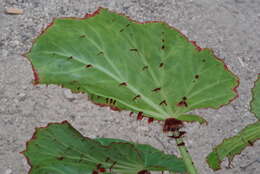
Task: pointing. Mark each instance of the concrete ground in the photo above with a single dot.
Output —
(230, 27)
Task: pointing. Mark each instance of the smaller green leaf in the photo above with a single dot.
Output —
(192, 118)
(59, 148)
(255, 103)
(234, 145)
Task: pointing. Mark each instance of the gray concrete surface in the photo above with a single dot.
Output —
(230, 27)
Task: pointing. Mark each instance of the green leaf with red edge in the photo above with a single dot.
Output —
(149, 67)
(59, 148)
(247, 136)
(234, 145)
(255, 103)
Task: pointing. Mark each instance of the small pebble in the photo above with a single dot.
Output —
(69, 95)
(14, 11)
(21, 96)
(8, 171)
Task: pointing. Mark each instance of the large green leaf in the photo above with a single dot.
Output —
(149, 68)
(59, 148)
(247, 136)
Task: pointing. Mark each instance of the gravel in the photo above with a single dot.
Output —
(229, 27)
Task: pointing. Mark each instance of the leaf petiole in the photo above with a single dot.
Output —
(185, 154)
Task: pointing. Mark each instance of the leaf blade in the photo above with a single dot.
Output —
(100, 56)
(60, 148)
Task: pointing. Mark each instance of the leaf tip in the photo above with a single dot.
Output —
(213, 161)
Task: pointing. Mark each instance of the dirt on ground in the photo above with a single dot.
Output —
(230, 27)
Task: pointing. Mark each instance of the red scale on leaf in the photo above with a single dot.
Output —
(136, 97)
(161, 65)
(156, 89)
(60, 158)
(111, 167)
(144, 172)
(145, 67)
(82, 36)
(123, 84)
(100, 53)
(182, 103)
(98, 165)
(111, 101)
(150, 120)
(172, 124)
(250, 143)
(133, 49)
(163, 102)
(95, 172)
(102, 170)
(88, 66)
(114, 102)
(197, 76)
(69, 58)
(140, 116)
